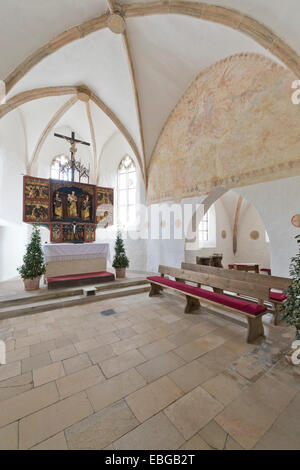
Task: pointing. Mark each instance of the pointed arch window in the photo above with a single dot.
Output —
(59, 169)
(126, 192)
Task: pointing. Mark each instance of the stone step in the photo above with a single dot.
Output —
(30, 298)
(54, 304)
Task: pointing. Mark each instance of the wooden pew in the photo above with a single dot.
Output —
(252, 311)
(271, 282)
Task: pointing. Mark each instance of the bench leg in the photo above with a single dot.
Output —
(255, 329)
(191, 304)
(155, 290)
(277, 313)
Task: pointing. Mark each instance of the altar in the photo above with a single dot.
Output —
(69, 259)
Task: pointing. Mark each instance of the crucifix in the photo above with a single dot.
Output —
(73, 164)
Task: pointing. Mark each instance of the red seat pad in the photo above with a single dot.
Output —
(77, 276)
(279, 296)
(233, 302)
(267, 270)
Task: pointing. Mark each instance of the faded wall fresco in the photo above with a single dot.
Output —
(234, 126)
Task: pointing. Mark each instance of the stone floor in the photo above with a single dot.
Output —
(146, 377)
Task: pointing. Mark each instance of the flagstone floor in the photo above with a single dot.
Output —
(145, 377)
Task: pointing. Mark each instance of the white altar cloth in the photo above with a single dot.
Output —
(75, 251)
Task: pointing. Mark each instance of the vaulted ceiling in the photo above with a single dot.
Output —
(134, 78)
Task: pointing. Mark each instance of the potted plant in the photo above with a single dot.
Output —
(291, 306)
(33, 262)
(120, 262)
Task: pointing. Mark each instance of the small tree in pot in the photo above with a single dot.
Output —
(291, 305)
(33, 262)
(120, 262)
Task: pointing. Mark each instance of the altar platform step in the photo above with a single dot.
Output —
(79, 279)
(61, 299)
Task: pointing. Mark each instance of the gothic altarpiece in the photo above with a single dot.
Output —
(69, 209)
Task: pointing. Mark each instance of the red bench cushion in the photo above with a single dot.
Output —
(279, 296)
(267, 270)
(233, 302)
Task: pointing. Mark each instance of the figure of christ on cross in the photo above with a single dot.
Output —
(73, 150)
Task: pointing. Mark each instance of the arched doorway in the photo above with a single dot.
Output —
(228, 224)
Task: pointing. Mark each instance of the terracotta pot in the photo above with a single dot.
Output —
(120, 273)
(32, 284)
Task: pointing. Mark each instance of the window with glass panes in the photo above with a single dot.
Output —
(126, 192)
(203, 228)
(59, 169)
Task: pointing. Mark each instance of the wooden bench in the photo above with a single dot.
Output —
(276, 299)
(252, 311)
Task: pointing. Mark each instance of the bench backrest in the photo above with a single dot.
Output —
(256, 290)
(273, 282)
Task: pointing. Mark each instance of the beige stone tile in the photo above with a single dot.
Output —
(214, 435)
(108, 338)
(225, 386)
(17, 381)
(101, 429)
(27, 341)
(191, 375)
(183, 337)
(249, 367)
(193, 411)
(17, 355)
(253, 412)
(10, 370)
(159, 366)
(22, 405)
(57, 442)
(156, 348)
(86, 345)
(125, 333)
(239, 345)
(9, 437)
(42, 347)
(131, 343)
(152, 398)
(190, 351)
(155, 434)
(50, 421)
(35, 362)
(286, 373)
(195, 443)
(63, 353)
(119, 364)
(231, 444)
(142, 327)
(79, 381)
(48, 373)
(9, 392)
(101, 353)
(76, 363)
(218, 359)
(115, 389)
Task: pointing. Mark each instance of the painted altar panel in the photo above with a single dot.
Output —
(36, 207)
(105, 207)
(72, 202)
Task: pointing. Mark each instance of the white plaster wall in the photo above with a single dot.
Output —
(275, 202)
(111, 155)
(12, 166)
